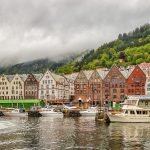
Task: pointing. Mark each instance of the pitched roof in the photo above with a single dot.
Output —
(57, 77)
(10, 77)
(38, 76)
(88, 73)
(126, 72)
(72, 76)
(102, 73)
(23, 76)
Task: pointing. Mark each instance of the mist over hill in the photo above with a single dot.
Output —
(128, 49)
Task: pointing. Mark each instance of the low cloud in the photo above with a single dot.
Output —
(33, 29)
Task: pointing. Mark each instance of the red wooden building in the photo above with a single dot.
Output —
(136, 82)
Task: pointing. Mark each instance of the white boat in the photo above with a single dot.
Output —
(89, 112)
(15, 112)
(134, 109)
(50, 112)
(69, 107)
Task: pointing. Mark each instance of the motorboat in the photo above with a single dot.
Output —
(69, 106)
(89, 112)
(134, 109)
(50, 112)
(15, 112)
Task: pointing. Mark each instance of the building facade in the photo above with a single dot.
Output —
(82, 86)
(53, 87)
(95, 88)
(31, 86)
(16, 87)
(114, 86)
(5, 91)
(136, 82)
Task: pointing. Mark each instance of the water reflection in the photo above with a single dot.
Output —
(72, 133)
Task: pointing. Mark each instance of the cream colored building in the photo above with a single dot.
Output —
(17, 86)
(12, 86)
(53, 87)
(4, 87)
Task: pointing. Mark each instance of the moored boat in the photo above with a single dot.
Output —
(134, 109)
(15, 112)
(50, 112)
(89, 112)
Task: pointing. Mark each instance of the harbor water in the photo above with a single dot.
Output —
(47, 133)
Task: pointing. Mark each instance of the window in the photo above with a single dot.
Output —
(114, 90)
(114, 96)
(146, 103)
(138, 112)
(132, 112)
(121, 90)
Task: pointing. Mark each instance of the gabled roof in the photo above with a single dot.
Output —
(54, 76)
(102, 73)
(126, 72)
(10, 77)
(72, 76)
(38, 76)
(57, 77)
(23, 76)
(114, 66)
(88, 73)
(135, 68)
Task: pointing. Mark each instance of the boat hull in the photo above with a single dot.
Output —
(13, 114)
(91, 114)
(51, 114)
(128, 119)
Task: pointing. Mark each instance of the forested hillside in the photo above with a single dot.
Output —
(41, 65)
(128, 49)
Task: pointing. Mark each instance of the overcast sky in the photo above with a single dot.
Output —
(32, 29)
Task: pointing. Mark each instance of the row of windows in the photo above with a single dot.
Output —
(13, 92)
(47, 86)
(30, 93)
(3, 83)
(16, 92)
(3, 88)
(115, 91)
(47, 81)
(31, 87)
(121, 96)
(138, 112)
(47, 92)
(136, 91)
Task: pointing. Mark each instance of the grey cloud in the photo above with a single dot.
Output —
(32, 29)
